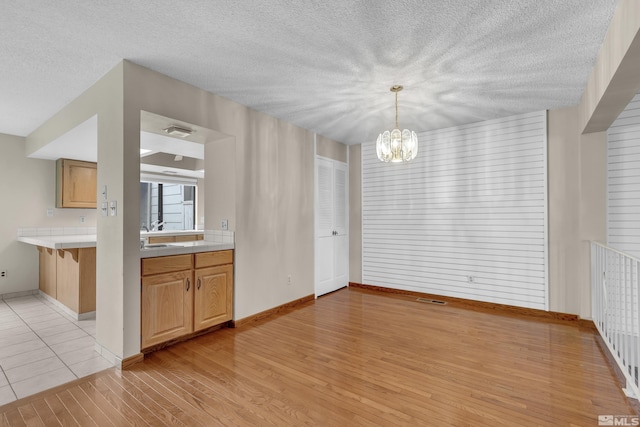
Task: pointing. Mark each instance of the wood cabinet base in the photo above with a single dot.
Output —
(156, 347)
(69, 276)
(183, 295)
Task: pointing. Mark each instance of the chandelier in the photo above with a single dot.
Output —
(396, 146)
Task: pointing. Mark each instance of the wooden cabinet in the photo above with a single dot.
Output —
(182, 294)
(76, 184)
(69, 276)
(76, 279)
(48, 271)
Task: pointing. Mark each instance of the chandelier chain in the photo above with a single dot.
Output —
(397, 111)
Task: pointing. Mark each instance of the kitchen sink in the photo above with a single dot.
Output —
(162, 245)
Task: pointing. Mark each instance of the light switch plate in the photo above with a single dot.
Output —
(113, 208)
(104, 209)
(49, 212)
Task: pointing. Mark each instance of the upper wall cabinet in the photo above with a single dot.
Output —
(76, 184)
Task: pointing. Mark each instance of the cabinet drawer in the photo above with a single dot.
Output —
(166, 264)
(211, 259)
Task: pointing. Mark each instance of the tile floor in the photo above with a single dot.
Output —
(41, 347)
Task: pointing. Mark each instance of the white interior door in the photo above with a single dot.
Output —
(332, 242)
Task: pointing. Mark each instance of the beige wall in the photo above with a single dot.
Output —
(271, 207)
(564, 210)
(200, 200)
(577, 209)
(105, 99)
(355, 213)
(27, 189)
(593, 207)
(615, 78)
(330, 149)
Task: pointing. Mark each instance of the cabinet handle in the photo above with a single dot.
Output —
(198, 283)
(188, 284)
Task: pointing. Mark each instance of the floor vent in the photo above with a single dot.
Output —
(431, 301)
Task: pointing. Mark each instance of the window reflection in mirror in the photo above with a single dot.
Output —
(167, 206)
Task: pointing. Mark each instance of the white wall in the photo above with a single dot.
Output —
(27, 189)
(466, 218)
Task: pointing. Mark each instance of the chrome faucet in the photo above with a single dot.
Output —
(156, 225)
(144, 227)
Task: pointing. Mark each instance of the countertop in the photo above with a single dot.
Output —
(89, 241)
(183, 248)
(61, 242)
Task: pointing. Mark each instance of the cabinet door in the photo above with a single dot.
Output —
(213, 296)
(77, 184)
(47, 274)
(167, 303)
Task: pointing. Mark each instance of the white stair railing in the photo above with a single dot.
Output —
(615, 300)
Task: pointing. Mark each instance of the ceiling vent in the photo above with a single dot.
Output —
(178, 131)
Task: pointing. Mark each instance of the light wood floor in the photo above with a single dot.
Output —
(354, 357)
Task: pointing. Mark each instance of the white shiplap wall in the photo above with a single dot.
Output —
(623, 180)
(471, 205)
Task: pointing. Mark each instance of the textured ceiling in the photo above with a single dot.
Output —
(324, 65)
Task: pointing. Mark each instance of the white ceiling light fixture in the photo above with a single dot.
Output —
(396, 146)
(178, 131)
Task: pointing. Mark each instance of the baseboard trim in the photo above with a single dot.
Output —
(131, 360)
(486, 306)
(11, 295)
(69, 312)
(271, 312)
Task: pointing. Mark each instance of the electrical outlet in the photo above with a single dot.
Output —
(83, 219)
(470, 279)
(225, 224)
(289, 280)
(3, 273)
(49, 212)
